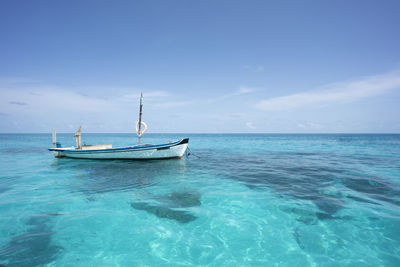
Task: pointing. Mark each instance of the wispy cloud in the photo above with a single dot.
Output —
(52, 98)
(309, 125)
(235, 115)
(241, 91)
(257, 68)
(157, 99)
(17, 81)
(250, 125)
(170, 104)
(19, 103)
(335, 93)
(147, 94)
(45, 98)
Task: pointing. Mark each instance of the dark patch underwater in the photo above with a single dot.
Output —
(168, 206)
(165, 212)
(32, 248)
(308, 177)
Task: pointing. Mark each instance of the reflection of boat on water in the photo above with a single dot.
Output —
(168, 150)
(104, 176)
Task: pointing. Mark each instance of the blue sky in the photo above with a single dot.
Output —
(203, 66)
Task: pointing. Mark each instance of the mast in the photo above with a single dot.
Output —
(78, 136)
(140, 117)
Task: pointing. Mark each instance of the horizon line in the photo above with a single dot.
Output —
(206, 133)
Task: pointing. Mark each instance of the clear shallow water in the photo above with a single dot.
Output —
(249, 200)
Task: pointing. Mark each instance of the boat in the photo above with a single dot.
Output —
(168, 150)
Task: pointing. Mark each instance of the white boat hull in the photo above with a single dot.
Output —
(165, 151)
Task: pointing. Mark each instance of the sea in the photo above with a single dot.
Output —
(235, 200)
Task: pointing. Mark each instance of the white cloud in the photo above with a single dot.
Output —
(241, 91)
(335, 93)
(250, 125)
(42, 99)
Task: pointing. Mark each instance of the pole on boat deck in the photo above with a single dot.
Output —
(140, 117)
(53, 135)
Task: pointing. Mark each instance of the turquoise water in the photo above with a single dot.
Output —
(240, 200)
